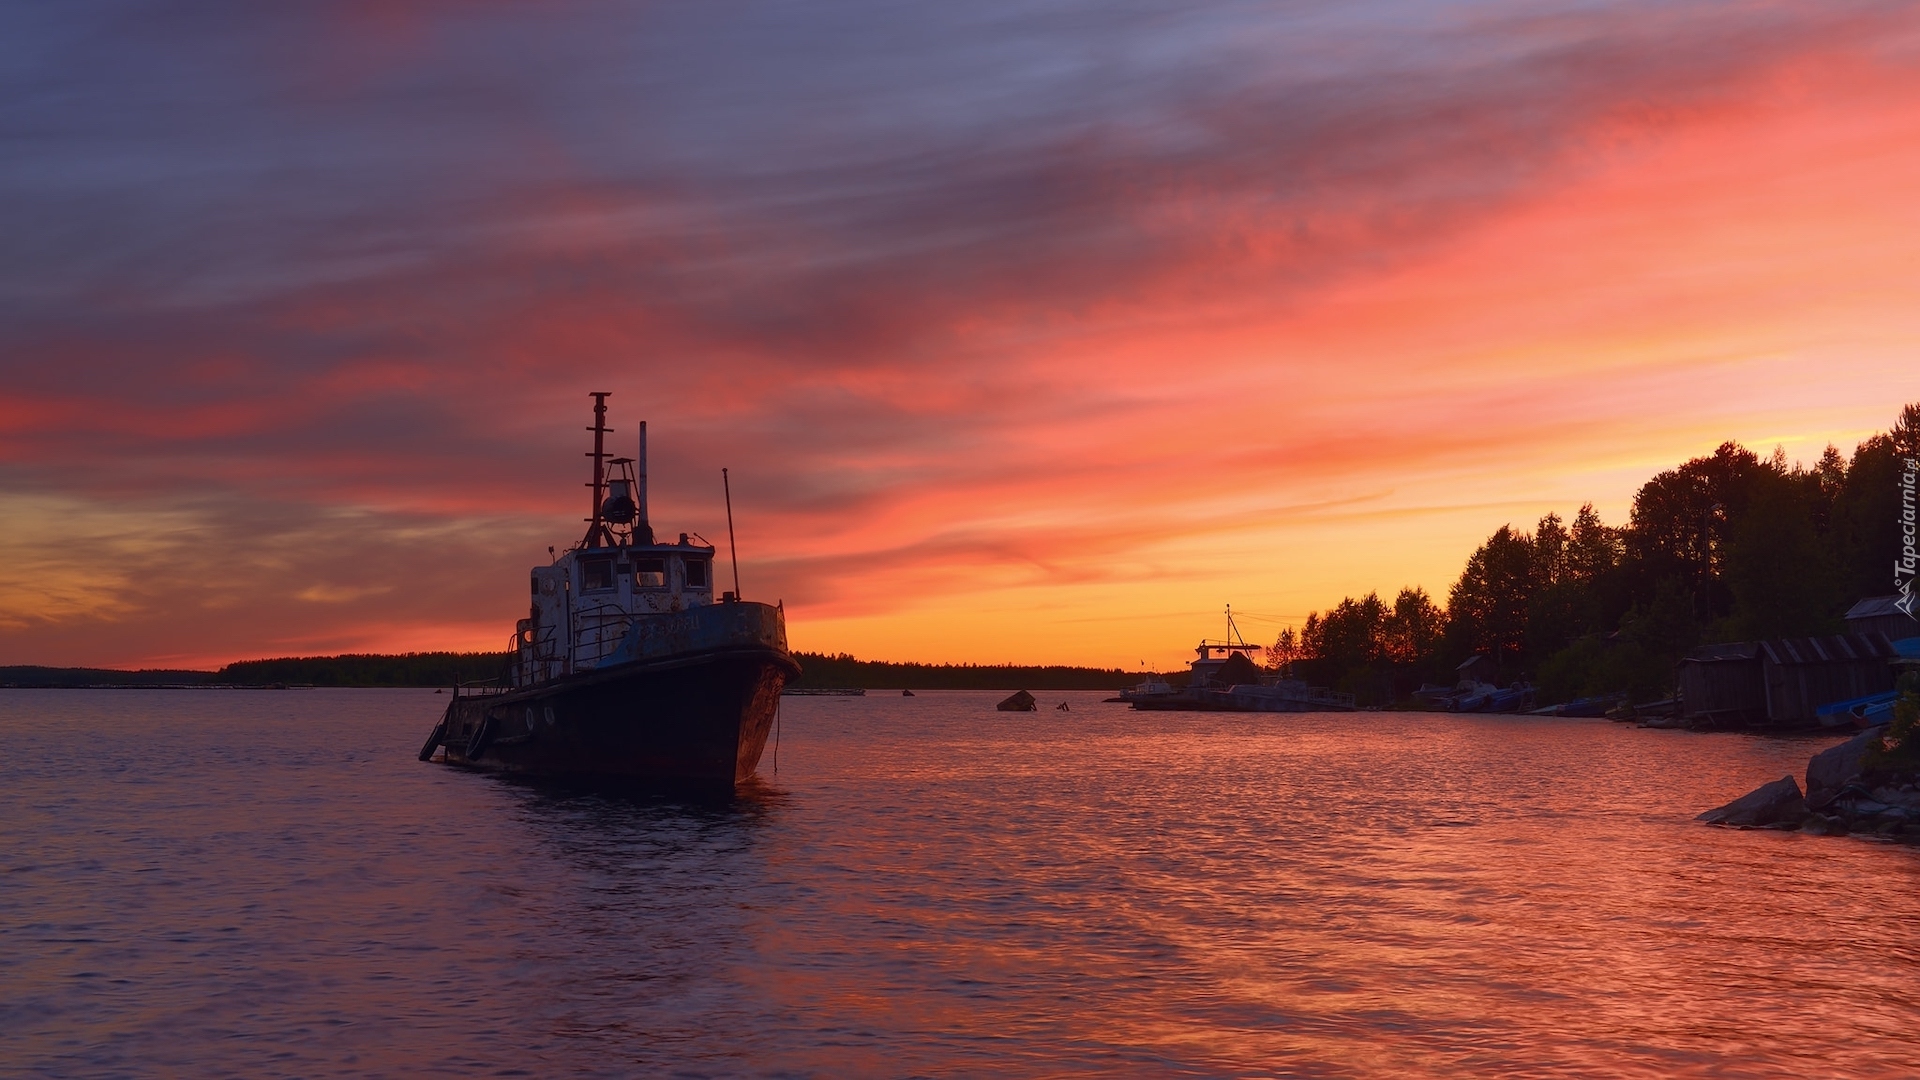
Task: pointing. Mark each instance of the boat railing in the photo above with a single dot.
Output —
(598, 632)
(592, 642)
(479, 688)
(536, 659)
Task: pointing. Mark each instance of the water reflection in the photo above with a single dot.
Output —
(655, 900)
(619, 800)
(274, 886)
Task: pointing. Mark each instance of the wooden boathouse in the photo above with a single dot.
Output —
(1879, 614)
(1724, 685)
(1781, 682)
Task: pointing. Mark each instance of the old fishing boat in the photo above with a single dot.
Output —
(1224, 678)
(626, 666)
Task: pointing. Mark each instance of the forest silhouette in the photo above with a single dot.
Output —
(1727, 547)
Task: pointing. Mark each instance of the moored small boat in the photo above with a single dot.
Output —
(1153, 686)
(1224, 678)
(1582, 707)
(1860, 712)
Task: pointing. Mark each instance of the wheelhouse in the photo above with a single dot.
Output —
(592, 598)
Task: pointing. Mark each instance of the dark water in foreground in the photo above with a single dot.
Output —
(259, 883)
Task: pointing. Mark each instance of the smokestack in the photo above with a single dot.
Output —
(642, 526)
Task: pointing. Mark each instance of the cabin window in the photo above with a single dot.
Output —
(649, 573)
(596, 574)
(697, 573)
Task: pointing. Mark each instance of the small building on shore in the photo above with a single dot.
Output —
(1724, 685)
(1878, 614)
(1782, 682)
(1478, 668)
(1806, 673)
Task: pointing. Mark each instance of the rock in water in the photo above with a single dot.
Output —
(1764, 805)
(1832, 768)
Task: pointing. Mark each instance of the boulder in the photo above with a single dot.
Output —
(1764, 805)
(1832, 769)
(1894, 796)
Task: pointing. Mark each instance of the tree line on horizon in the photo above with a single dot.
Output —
(824, 671)
(445, 669)
(1727, 547)
(351, 669)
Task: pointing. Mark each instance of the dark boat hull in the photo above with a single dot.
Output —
(700, 720)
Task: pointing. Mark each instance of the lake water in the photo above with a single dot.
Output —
(267, 883)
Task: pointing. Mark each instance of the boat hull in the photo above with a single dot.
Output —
(698, 720)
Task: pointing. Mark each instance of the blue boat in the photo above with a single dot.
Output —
(1512, 699)
(1583, 707)
(1484, 697)
(1863, 712)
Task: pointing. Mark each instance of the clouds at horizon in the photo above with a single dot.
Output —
(1020, 300)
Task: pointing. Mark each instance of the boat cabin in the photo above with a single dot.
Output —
(589, 605)
(1223, 663)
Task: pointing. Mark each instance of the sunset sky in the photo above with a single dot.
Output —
(1032, 332)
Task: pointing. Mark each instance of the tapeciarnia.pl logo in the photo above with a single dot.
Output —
(1903, 567)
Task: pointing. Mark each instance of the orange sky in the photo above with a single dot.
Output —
(1185, 315)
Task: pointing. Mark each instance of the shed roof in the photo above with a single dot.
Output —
(1828, 649)
(1730, 650)
(1875, 606)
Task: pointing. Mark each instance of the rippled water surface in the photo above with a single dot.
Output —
(262, 883)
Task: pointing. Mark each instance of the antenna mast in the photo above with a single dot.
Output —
(596, 529)
(733, 552)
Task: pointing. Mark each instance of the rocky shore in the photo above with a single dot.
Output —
(1844, 794)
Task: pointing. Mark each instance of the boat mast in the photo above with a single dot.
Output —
(597, 529)
(1233, 639)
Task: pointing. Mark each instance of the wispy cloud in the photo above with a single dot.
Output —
(1023, 293)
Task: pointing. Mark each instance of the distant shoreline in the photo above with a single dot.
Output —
(423, 670)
